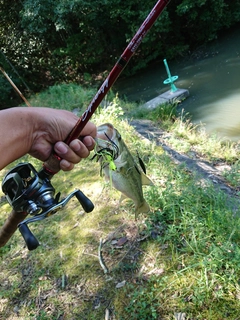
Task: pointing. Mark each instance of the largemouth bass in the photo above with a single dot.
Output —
(120, 168)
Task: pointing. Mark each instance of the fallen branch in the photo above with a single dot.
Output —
(102, 264)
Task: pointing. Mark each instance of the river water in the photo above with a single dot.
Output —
(212, 76)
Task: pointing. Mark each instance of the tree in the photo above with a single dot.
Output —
(51, 41)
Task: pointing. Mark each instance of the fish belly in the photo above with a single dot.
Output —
(129, 185)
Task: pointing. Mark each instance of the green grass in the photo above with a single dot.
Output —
(183, 257)
(63, 96)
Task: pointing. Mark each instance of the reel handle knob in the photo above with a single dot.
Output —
(31, 241)
(86, 203)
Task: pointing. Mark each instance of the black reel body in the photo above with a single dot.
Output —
(25, 191)
(29, 191)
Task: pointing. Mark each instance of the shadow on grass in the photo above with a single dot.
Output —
(184, 256)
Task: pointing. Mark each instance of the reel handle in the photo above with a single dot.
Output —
(10, 226)
(30, 192)
(31, 241)
(85, 202)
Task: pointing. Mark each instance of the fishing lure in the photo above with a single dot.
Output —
(107, 155)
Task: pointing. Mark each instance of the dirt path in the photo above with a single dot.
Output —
(147, 130)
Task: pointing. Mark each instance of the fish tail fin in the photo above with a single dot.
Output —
(143, 208)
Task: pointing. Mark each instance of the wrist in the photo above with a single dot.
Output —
(16, 128)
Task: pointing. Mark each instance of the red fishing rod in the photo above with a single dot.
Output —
(31, 192)
(51, 166)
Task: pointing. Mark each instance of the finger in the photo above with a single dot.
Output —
(72, 153)
(75, 152)
(89, 142)
(65, 152)
(66, 165)
(80, 148)
(89, 130)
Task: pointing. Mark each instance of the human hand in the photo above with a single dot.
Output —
(39, 132)
(53, 127)
(76, 150)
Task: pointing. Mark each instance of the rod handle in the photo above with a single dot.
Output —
(51, 166)
(10, 226)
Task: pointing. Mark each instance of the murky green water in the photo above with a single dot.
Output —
(212, 76)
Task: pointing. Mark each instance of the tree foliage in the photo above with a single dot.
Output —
(51, 41)
(202, 19)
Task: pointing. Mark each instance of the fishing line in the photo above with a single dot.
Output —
(4, 56)
(15, 87)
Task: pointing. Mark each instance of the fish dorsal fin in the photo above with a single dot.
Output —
(142, 165)
(145, 180)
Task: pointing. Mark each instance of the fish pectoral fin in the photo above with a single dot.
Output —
(145, 180)
(120, 165)
(143, 208)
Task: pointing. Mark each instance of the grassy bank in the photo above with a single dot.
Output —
(181, 261)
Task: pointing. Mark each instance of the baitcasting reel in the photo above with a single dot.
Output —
(31, 192)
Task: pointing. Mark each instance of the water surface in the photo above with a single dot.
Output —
(212, 76)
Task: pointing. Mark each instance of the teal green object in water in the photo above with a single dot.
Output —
(170, 80)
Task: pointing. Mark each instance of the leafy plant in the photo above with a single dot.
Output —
(58, 38)
(233, 174)
(142, 303)
(64, 96)
(182, 257)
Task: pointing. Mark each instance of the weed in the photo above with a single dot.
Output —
(64, 96)
(183, 257)
(233, 175)
(142, 303)
(164, 113)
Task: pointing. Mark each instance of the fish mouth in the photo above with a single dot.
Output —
(106, 131)
(106, 134)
